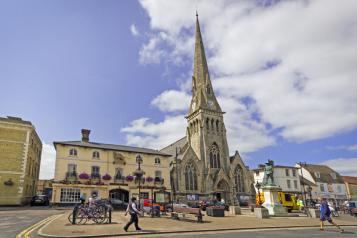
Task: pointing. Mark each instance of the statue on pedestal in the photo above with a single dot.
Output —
(268, 179)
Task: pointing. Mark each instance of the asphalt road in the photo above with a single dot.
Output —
(15, 219)
(271, 233)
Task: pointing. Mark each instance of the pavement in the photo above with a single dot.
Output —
(60, 227)
(266, 233)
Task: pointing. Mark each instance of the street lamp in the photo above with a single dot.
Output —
(139, 172)
(258, 186)
(309, 189)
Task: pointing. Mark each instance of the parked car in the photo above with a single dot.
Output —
(40, 200)
(148, 207)
(169, 206)
(118, 204)
(211, 203)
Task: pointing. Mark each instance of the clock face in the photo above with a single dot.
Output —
(210, 103)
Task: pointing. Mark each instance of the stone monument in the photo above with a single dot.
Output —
(270, 191)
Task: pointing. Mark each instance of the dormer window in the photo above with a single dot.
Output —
(96, 155)
(73, 152)
(333, 175)
(157, 160)
(317, 174)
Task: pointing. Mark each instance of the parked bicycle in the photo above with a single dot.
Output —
(98, 212)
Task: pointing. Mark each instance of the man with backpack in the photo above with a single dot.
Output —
(325, 214)
(134, 212)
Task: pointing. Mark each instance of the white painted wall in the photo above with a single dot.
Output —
(280, 179)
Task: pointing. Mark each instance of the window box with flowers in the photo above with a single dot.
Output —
(106, 177)
(129, 178)
(83, 176)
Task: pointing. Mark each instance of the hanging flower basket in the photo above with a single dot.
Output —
(84, 175)
(149, 179)
(129, 178)
(107, 177)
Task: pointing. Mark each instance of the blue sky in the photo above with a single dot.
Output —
(123, 70)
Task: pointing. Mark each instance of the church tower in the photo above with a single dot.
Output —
(206, 131)
(201, 166)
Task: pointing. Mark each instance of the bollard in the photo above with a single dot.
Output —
(74, 215)
(110, 215)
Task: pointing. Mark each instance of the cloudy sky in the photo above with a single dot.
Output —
(284, 72)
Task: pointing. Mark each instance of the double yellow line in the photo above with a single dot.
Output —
(26, 233)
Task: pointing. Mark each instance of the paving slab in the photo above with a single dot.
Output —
(61, 227)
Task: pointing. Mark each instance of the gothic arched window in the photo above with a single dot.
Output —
(238, 178)
(214, 157)
(217, 126)
(207, 124)
(190, 177)
(212, 125)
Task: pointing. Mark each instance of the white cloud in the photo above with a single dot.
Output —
(142, 132)
(294, 61)
(352, 147)
(172, 100)
(48, 160)
(345, 166)
(134, 31)
(342, 147)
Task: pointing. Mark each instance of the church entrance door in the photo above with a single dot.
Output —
(222, 191)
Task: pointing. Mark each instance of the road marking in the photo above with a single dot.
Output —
(26, 233)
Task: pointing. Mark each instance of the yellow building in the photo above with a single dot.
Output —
(20, 159)
(106, 171)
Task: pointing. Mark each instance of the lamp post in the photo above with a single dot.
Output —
(302, 183)
(139, 173)
(309, 189)
(258, 186)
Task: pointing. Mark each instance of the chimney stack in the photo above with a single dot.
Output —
(85, 135)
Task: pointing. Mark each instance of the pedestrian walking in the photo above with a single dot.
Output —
(134, 212)
(301, 205)
(325, 214)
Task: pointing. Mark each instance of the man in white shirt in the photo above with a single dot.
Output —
(133, 211)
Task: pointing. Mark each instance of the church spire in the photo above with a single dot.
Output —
(202, 92)
(200, 71)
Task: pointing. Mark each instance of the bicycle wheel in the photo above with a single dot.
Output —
(70, 217)
(81, 219)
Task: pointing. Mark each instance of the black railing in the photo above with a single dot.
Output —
(119, 178)
(159, 180)
(72, 174)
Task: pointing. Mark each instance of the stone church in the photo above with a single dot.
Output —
(201, 167)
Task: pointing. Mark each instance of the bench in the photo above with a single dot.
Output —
(354, 212)
(183, 211)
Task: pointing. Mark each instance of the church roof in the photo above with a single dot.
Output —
(111, 147)
(179, 144)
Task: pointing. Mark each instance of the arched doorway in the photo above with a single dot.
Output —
(222, 191)
(119, 198)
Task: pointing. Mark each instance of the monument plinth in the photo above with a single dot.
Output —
(271, 201)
